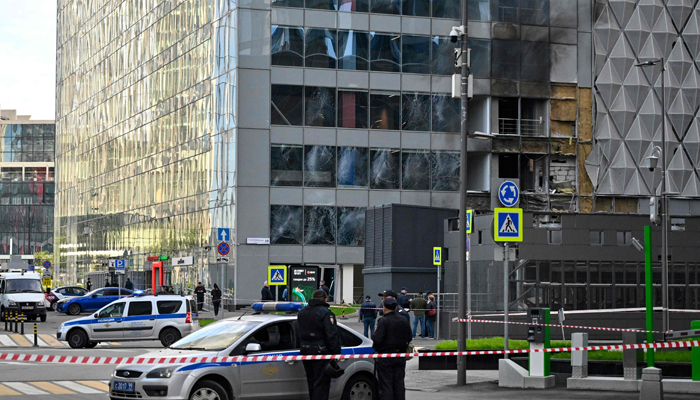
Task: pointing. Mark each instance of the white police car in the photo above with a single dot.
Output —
(161, 317)
(252, 335)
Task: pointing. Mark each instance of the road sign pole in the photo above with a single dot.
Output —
(648, 285)
(469, 289)
(505, 297)
(437, 320)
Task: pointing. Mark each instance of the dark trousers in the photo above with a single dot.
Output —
(319, 383)
(200, 303)
(216, 307)
(390, 374)
(369, 327)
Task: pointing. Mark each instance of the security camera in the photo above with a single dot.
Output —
(637, 245)
(456, 33)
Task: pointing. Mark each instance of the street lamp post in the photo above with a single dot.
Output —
(664, 201)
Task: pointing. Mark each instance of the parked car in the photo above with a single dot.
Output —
(60, 293)
(92, 301)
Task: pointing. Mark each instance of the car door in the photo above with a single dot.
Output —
(274, 380)
(140, 320)
(109, 296)
(109, 323)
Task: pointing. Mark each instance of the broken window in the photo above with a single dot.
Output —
(508, 166)
(414, 51)
(286, 165)
(321, 48)
(287, 105)
(353, 109)
(479, 171)
(415, 169)
(385, 51)
(416, 111)
(478, 120)
(286, 224)
(287, 46)
(319, 166)
(505, 58)
(445, 170)
(320, 106)
(446, 113)
(384, 168)
(351, 226)
(385, 110)
(533, 173)
(353, 50)
(386, 6)
(533, 116)
(319, 225)
(534, 65)
(353, 167)
(562, 175)
(508, 115)
(443, 56)
(354, 5)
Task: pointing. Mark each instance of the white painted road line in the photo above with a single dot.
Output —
(78, 387)
(40, 342)
(6, 341)
(24, 388)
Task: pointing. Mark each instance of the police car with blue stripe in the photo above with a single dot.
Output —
(247, 335)
(153, 317)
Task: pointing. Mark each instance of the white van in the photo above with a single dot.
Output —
(21, 293)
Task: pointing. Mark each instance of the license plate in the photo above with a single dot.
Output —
(27, 307)
(124, 386)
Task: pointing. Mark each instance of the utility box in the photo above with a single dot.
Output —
(538, 336)
(535, 331)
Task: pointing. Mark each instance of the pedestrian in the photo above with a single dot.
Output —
(419, 305)
(107, 284)
(318, 331)
(216, 299)
(88, 285)
(430, 316)
(403, 299)
(199, 291)
(393, 335)
(284, 295)
(266, 293)
(399, 310)
(325, 288)
(368, 315)
(128, 284)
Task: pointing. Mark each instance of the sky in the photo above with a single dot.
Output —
(28, 57)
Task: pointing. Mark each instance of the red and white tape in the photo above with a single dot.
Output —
(193, 360)
(594, 328)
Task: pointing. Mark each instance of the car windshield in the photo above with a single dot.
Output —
(215, 337)
(24, 286)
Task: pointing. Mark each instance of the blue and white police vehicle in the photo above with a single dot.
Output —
(141, 317)
(247, 335)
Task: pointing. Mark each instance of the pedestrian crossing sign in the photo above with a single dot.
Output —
(437, 255)
(277, 275)
(470, 216)
(508, 225)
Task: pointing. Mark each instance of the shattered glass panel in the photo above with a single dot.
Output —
(319, 166)
(351, 226)
(320, 106)
(287, 46)
(415, 169)
(287, 3)
(353, 109)
(505, 59)
(286, 165)
(385, 110)
(443, 56)
(534, 12)
(385, 52)
(446, 113)
(353, 167)
(481, 58)
(479, 10)
(384, 168)
(445, 170)
(447, 9)
(286, 224)
(386, 6)
(416, 8)
(353, 50)
(287, 105)
(415, 52)
(319, 225)
(322, 4)
(415, 111)
(354, 5)
(321, 48)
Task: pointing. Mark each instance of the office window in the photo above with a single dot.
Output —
(444, 166)
(415, 110)
(415, 168)
(319, 106)
(353, 50)
(353, 167)
(354, 5)
(351, 226)
(479, 10)
(416, 54)
(554, 237)
(321, 48)
(481, 58)
(287, 105)
(287, 3)
(534, 65)
(386, 6)
(322, 4)
(353, 109)
(446, 111)
(286, 165)
(319, 166)
(505, 59)
(417, 8)
(505, 11)
(534, 12)
(624, 238)
(286, 224)
(385, 110)
(384, 168)
(385, 52)
(447, 9)
(287, 46)
(595, 238)
(443, 55)
(319, 225)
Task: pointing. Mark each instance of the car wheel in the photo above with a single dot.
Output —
(77, 339)
(42, 317)
(208, 390)
(53, 306)
(169, 336)
(91, 345)
(74, 309)
(360, 387)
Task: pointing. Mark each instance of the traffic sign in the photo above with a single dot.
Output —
(508, 225)
(437, 255)
(508, 193)
(120, 264)
(277, 275)
(222, 259)
(182, 261)
(47, 264)
(223, 234)
(470, 216)
(223, 248)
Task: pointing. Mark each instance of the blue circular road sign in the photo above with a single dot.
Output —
(47, 264)
(508, 193)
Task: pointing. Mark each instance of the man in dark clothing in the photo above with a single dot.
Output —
(368, 315)
(128, 285)
(199, 291)
(88, 285)
(325, 288)
(393, 335)
(399, 310)
(266, 293)
(318, 331)
(418, 305)
(403, 299)
(216, 299)
(107, 284)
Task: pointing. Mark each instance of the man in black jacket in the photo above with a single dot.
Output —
(199, 291)
(266, 293)
(393, 335)
(399, 310)
(318, 331)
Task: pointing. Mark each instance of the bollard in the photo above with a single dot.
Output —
(22, 319)
(652, 387)
(579, 359)
(36, 339)
(16, 322)
(343, 310)
(632, 360)
(5, 317)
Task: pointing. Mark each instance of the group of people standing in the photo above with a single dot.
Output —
(424, 313)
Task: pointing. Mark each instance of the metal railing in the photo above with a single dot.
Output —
(523, 127)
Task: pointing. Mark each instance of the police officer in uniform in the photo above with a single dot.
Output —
(318, 331)
(393, 335)
(390, 294)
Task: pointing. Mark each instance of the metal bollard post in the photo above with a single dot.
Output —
(16, 322)
(6, 317)
(36, 339)
(23, 318)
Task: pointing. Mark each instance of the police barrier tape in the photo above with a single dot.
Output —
(595, 328)
(235, 359)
